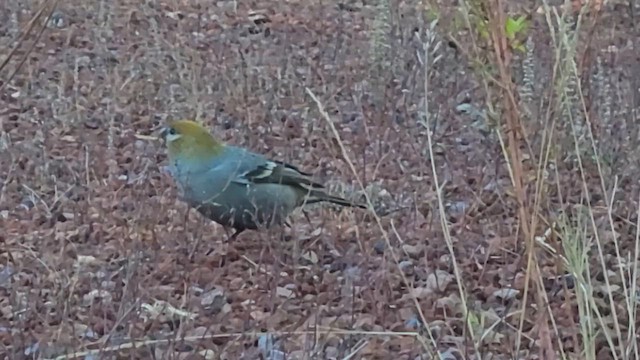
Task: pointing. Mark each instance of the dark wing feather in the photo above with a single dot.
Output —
(258, 170)
(278, 172)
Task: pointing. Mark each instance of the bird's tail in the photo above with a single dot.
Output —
(319, 196)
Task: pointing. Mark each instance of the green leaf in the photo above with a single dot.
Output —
(515, 26)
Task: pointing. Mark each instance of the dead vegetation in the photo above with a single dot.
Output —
(506, 165)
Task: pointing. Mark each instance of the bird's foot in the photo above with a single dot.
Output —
(233, 236)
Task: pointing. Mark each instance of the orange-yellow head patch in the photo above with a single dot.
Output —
(189, 139)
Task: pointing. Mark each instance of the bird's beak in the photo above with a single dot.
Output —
(163, 133)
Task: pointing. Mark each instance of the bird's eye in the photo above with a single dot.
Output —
(172, 131)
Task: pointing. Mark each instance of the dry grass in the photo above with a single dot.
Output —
(516, 234)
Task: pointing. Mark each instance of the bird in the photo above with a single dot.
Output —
(235, 187)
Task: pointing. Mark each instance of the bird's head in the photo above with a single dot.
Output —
(189, 140)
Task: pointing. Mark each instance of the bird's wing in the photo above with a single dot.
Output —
(252, 169)
(255, 169)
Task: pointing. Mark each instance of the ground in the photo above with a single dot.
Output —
(101, 259)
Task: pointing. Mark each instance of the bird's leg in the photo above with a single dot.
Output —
(306, 215)
(225, 242)
(226, 231)
(235, 234)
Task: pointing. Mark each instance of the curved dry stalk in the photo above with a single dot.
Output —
(30, 26)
